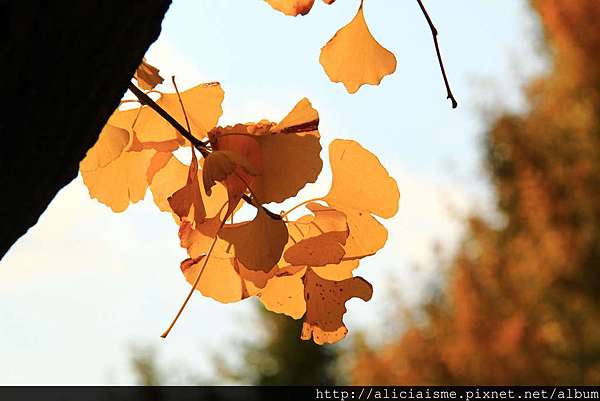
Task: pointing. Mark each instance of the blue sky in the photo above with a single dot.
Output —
(85, 284)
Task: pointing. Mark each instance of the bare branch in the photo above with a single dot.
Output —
(434, 33)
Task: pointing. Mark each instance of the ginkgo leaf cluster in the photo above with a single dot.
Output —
(302, 267)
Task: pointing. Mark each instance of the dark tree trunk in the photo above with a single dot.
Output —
(64, 66)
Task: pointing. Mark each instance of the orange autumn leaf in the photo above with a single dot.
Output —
(284, 293)
(286, 155)
(354, 57)
(203, 107)
(220, 164)
(120, 182)
(147, 75)
(189, 196)
(219, 279)
(259, 243)
(323, 241)
(360, 182)
(302, 118)
(325, 306)
(109, 146)
(290, 155)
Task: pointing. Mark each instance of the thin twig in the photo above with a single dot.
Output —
(434, 33)
(147, 100)
(196, 281)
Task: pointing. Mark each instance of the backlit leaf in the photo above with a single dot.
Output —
(284, 293)
(110, 144)
(354, 57)
(258, 243)
(122, 181)
(325, 306)
(360, 181)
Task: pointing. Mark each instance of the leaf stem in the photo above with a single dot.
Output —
(300, 204)
(196, 281)
(434, 33)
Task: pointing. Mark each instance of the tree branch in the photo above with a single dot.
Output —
(147, 100)
(434, 33)
(197, 143)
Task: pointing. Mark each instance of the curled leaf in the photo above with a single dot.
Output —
(147, 75)
(354, 57)
(325, 306)
(259, 243)
(302, 118)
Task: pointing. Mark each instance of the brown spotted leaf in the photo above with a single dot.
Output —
(325, 306)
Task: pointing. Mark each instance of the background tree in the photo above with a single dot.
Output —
(523, 302)
(283, 359)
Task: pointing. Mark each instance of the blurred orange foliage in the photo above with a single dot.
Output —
(522, 305)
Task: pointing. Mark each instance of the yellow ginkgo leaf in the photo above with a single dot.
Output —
(202, 104)
(360, 181)
(292, 7)
(122, 181)
(367, 235)
(325, 306)
(147, 75)
(219, 279)
(259, 243)
(284, 293)
(354, 57)
(110, 144)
